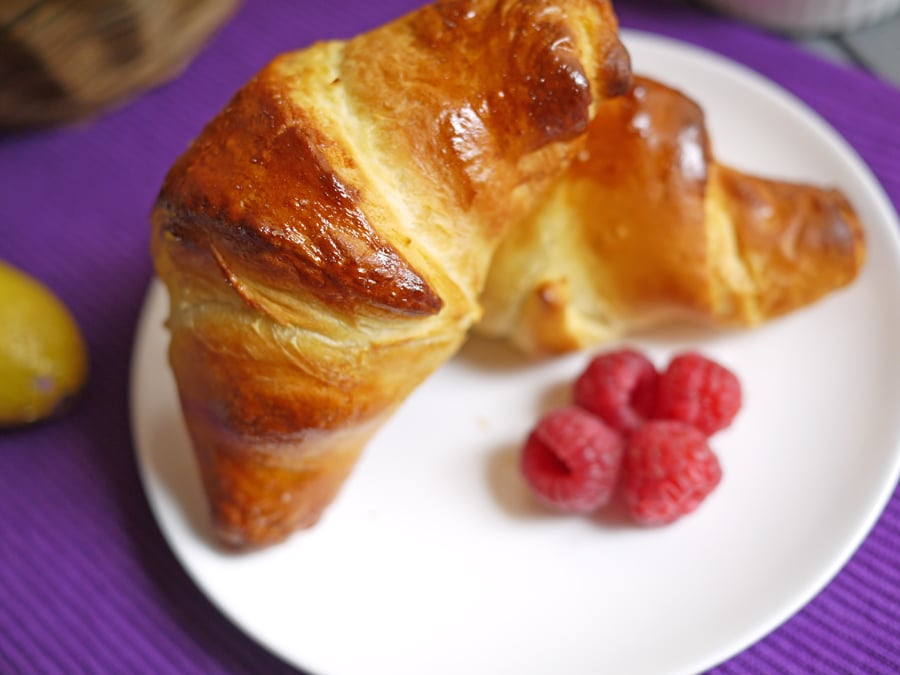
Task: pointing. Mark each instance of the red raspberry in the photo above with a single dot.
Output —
(620, 388)
(698, 391)
(571, 460)
(667, 471)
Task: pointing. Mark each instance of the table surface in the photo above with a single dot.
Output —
(87, 581)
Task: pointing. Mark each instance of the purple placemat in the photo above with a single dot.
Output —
(87, 582)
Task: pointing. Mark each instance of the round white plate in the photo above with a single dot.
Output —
(435, 560)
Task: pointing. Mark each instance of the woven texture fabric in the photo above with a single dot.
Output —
(87, 581)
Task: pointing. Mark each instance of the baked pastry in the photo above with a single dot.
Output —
(646, 227)
(325, 239)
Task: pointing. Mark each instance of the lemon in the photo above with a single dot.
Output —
(43, 359)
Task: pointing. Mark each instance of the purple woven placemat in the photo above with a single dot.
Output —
(87, 582)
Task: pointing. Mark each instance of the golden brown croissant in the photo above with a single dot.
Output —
(325, 239)
(646, 226)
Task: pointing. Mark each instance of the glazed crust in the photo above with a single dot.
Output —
(647, 227)
(325, 239)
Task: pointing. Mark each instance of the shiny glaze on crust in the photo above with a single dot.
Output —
(475, 84)
(262, 192)
(258, 192)
(644, 171)
(538, 71)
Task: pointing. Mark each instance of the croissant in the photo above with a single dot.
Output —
(325, 239)
(647, 227)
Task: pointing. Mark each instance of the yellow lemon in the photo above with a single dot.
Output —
(43, 359)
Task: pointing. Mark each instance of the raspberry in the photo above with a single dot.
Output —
(698, 391)
(620, 388)
(571, 460)
(667, 471)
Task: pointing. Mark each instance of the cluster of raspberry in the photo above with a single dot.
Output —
(635, 430)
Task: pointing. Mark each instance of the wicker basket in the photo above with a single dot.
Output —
(62, 60)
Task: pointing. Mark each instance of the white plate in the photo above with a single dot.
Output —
(434, 559)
